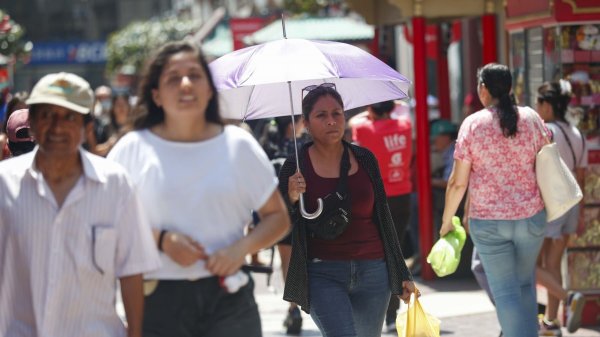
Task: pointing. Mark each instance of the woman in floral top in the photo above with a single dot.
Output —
(495, 157)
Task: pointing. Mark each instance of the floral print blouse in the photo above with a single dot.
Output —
(502, 183)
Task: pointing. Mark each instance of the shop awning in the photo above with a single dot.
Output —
(220, 43)
(332, 29)
(392, 12)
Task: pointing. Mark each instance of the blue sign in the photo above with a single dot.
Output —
(88, 52)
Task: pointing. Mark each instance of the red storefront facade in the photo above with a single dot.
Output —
(560, 39)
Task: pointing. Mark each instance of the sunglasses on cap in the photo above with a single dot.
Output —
(326, 85)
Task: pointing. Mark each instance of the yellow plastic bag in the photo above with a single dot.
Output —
(415, 322)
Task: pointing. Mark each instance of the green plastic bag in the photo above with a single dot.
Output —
(445, 253)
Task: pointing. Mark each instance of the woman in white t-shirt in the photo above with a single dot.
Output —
(552, 101)
(198, 180)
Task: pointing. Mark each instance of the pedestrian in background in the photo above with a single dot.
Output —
(552, 102)
(15, 102)
(344, 282)
(100, 112)
(390, 140)
(20, 140)
(70, 225)
(495, 156)
(443, 138)
(278, 142)
(198, 180)
(121, 121)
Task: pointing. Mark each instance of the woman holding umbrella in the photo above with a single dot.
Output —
(193, 175)
(345, 281)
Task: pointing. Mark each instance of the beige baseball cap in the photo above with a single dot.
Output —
(63, 89)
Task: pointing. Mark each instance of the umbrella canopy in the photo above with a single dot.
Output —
(255, 82)
(267, 80)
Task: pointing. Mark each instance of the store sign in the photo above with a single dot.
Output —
(68, 52)
(240, 27)
(515, 8)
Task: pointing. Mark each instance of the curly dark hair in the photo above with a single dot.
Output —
(150, 114)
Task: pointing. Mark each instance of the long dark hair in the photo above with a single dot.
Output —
(557, 96)
(151, 114)
(498, 81)
(313, 96)
(113, 118)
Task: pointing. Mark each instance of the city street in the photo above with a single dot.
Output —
(461, 305)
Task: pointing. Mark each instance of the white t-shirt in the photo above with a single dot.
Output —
(203, 189)
(578, 144)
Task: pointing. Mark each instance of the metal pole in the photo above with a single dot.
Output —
(283, 26)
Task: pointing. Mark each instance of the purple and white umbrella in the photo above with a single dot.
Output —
(255, 82)
(266, 80)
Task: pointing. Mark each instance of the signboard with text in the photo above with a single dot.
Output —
(85, 52)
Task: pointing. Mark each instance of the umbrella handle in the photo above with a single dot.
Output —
(311, 216)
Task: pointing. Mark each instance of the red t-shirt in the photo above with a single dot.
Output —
(361, 239)
(390, 140)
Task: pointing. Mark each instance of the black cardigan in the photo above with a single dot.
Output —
(296, 285)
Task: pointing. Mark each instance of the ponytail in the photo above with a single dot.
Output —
(508, 115)
(498, 81)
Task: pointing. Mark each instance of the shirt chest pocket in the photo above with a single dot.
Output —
(104, 246)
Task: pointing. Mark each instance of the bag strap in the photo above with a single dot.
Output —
(568, 142)
(342, 185)
(536, 120)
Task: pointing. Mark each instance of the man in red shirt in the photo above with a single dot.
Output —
(390, 140)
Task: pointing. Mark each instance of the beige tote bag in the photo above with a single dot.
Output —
(559, 188)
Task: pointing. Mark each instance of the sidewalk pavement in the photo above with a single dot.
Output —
(460, 304)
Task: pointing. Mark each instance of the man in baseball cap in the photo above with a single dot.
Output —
(19, 139)
(70, 226)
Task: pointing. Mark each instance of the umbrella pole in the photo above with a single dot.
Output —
(293, 122)
(303, 211)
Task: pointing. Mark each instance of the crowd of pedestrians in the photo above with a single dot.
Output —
(166, 212)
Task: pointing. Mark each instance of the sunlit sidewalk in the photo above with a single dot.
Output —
(463, 308)
(460, 304)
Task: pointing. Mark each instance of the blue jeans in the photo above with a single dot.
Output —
(348, 298)
(508, 251)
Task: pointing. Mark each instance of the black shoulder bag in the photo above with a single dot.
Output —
(334, 219)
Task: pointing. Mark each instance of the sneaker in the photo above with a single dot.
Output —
(548, 328)
(293, 322)
(574, 310)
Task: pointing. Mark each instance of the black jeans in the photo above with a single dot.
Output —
(201, 308)
(400, 209)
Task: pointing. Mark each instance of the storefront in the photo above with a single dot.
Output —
(424, 19)
(551, 40)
